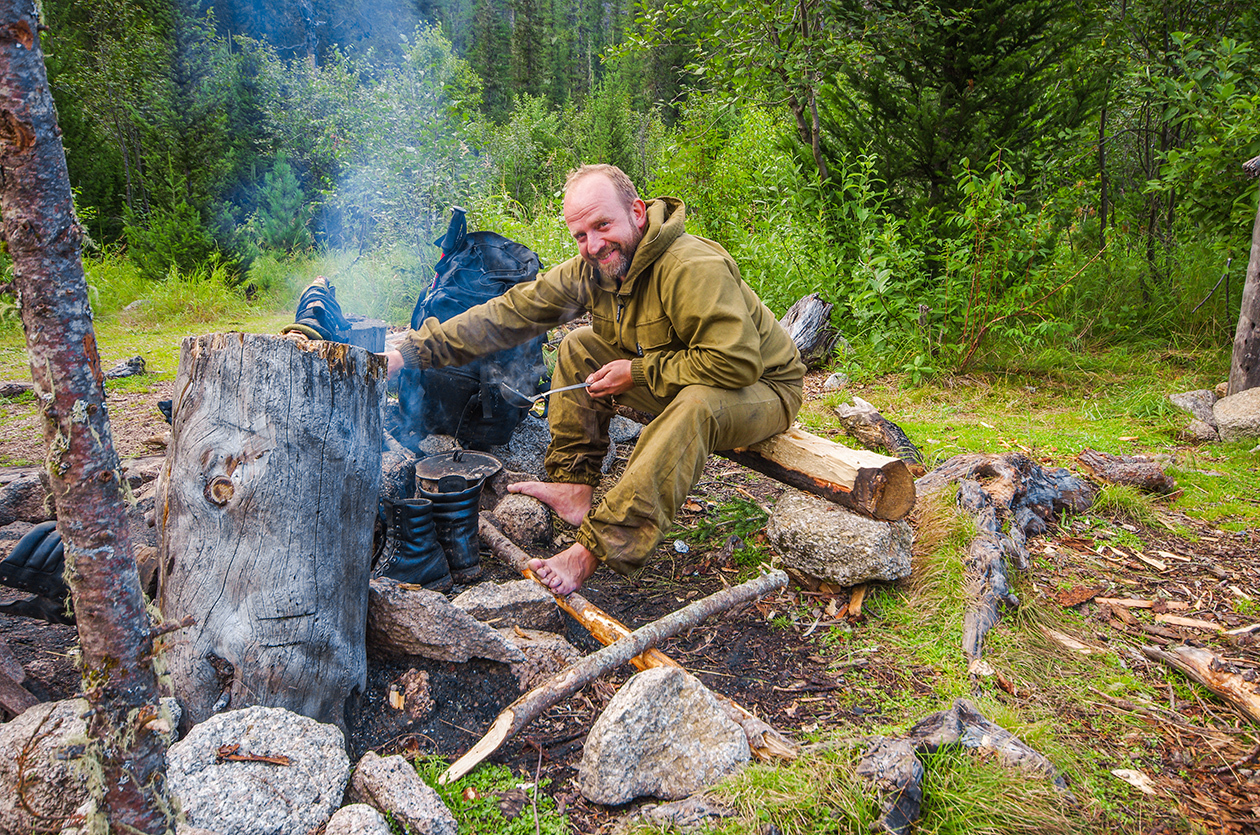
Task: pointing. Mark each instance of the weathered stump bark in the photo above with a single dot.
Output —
(266, 508)
(808, 322)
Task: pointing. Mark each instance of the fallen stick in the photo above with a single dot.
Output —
(534, 703)
(1213, 673)
(603, 627)
(766, 742)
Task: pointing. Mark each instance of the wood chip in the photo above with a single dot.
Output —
(1072, 644)
(1138, 603)
(1076, 595)
(855, 601)
(1158, 565)
(1189, 623)
(1136, 779)
(1171, 556)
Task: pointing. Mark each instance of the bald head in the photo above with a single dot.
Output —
(625, 189)
(606, 217)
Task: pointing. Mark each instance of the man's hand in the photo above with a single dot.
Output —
(613, 378)
(395, 360)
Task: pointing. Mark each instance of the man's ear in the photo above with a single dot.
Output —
(638, 212)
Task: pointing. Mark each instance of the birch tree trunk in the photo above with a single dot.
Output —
(114, 630)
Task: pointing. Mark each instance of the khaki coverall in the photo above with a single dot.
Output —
(707, 357)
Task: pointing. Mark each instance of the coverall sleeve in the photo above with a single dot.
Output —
(523, 312)
(708, 306)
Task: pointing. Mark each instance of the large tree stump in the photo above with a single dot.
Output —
(266, 511)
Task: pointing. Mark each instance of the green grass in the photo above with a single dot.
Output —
(474, 801)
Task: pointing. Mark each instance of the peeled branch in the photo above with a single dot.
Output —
(765, 742)
(534, 703)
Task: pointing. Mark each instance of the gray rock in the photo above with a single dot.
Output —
(259, 798)
(524, 520)
(1238, 416)
(437, 444)
(662, 735)
(391, 785)
(398, 475)
(409, 620)
(521, 603)
(127, 368)
(45, 742)
(1199, 432)
(1198, 403)
(525, 450)
(25, 500)
(357, 819)
(823, 540)
(623, 430)
(836, 382)
(546, 654)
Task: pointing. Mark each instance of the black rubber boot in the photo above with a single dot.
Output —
(455, 509)
(37, 565)
(318, 314)
(412, 553)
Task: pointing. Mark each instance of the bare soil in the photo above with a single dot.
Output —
(1202, 757)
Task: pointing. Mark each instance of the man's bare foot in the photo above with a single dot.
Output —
(571, 501)
(566, 571)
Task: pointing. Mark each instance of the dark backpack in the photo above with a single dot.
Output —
(466, 401)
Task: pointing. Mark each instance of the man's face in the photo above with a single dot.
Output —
(606, 230)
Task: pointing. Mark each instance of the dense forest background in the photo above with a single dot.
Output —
(963, 179)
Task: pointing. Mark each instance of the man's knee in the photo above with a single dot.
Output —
(695, 405)
(582, 352)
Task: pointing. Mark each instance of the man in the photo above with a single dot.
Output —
(674, 332)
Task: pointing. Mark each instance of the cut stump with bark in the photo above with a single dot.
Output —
(808, 322)
(266, 507)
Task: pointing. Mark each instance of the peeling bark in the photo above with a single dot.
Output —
(87, 483)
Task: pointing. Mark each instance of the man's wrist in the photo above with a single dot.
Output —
(637, 375)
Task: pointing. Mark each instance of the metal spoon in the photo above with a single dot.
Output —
(522, 401)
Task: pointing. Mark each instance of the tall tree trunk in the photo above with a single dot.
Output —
(114, 631)
(1244, 368)
(1102, 171)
